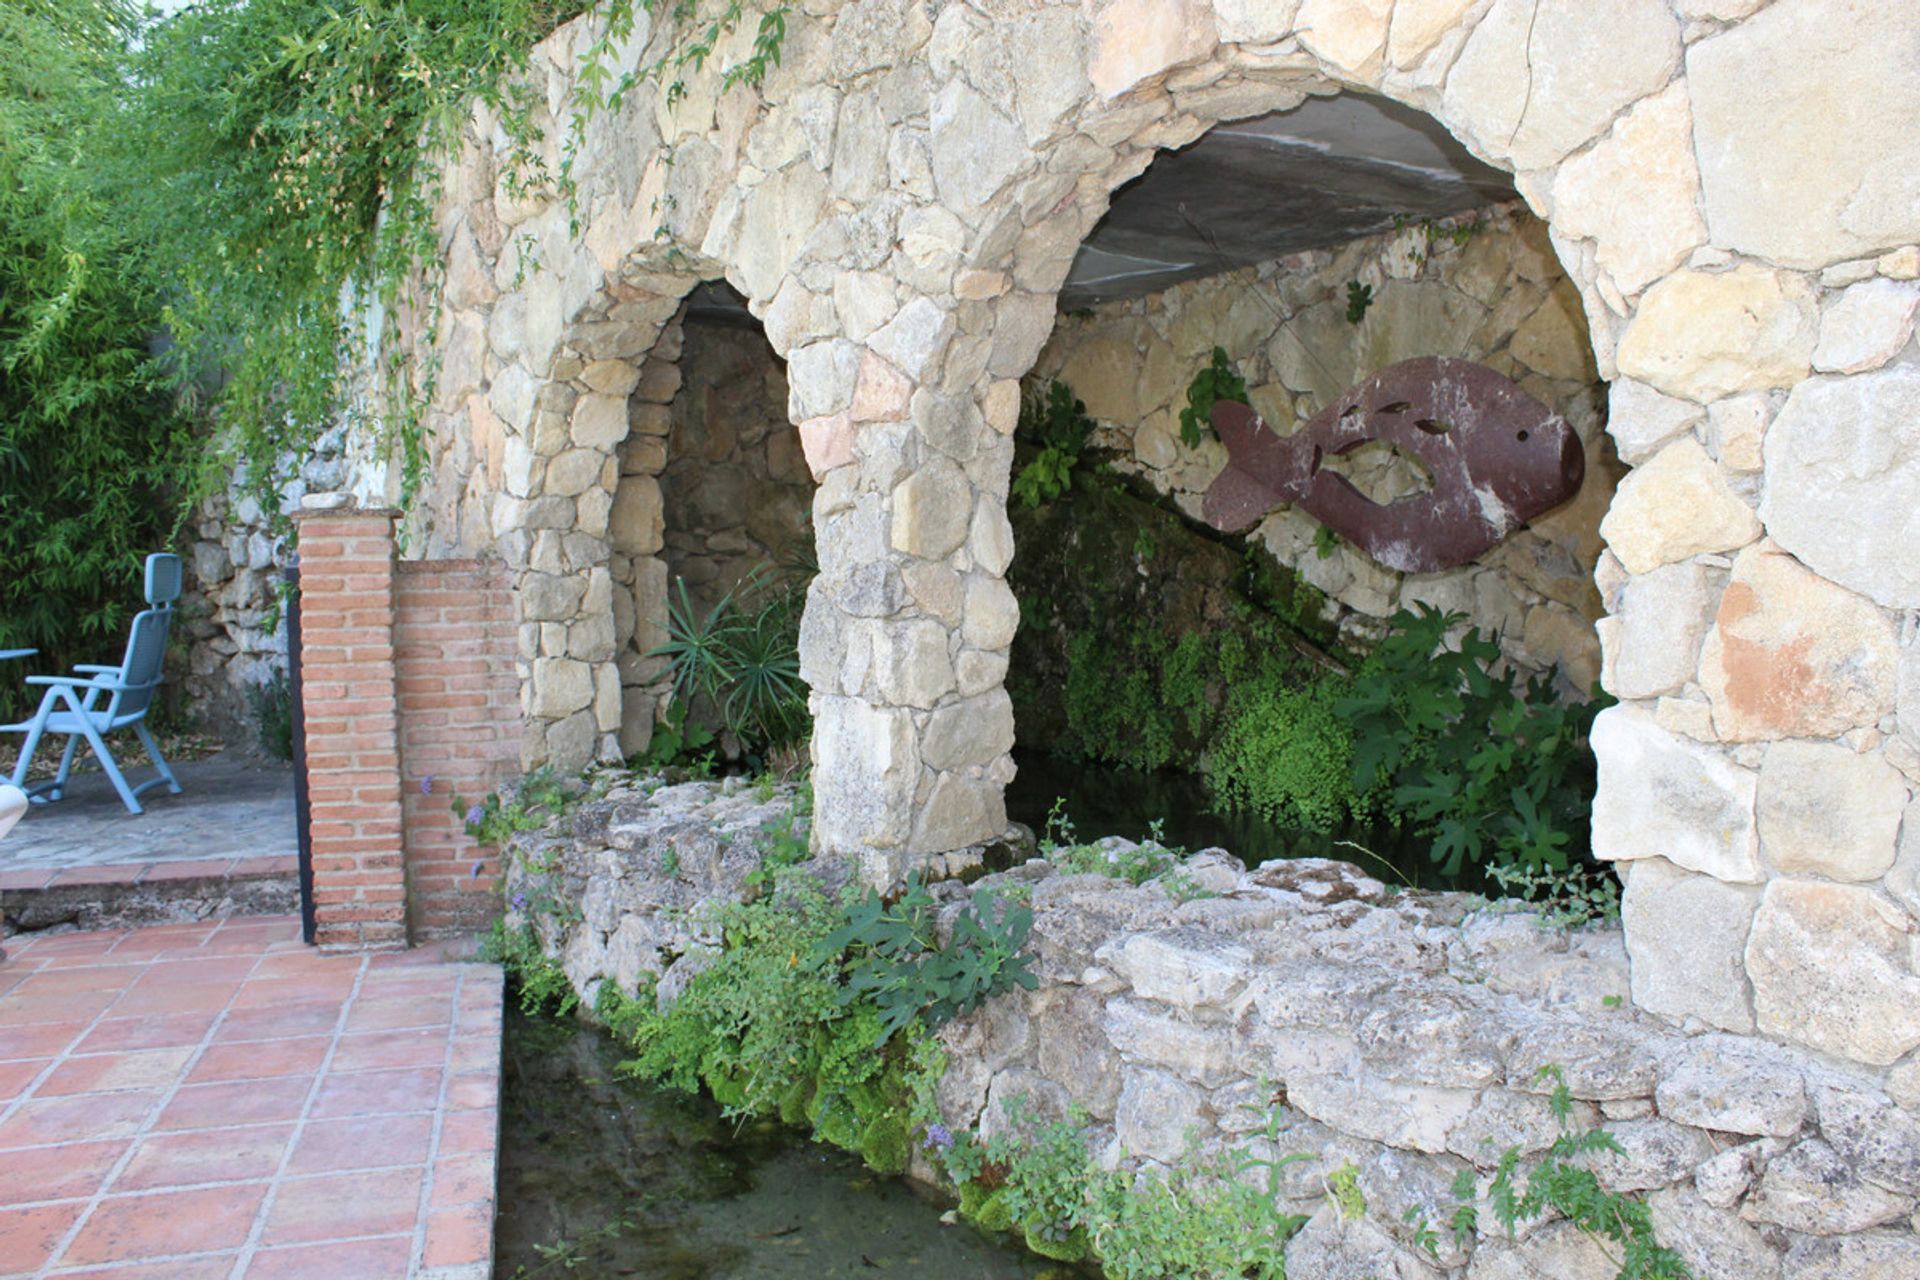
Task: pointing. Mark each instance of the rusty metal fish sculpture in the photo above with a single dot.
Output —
(1498, 458)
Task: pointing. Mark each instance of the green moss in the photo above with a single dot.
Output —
(991, 1213)
(1073, 1247)
(886, 1143)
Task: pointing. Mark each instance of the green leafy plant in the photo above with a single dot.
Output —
(896, 963)
(1325, 541)
(497, 817)
(1359, 298)
(537, 981)
(742, 660)
(1490, 775)
(1561, 1183)
(1215, 382)
(272, 701)
(1056, 423)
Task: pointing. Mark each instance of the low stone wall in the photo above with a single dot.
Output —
(1398, 1033)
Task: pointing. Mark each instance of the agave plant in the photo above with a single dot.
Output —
(742, 657)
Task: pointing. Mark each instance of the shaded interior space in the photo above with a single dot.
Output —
(1281, 261)
(715, 499)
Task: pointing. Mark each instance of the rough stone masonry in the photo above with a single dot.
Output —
(1732, 188)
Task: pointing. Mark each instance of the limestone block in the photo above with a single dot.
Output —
(1870, 1132)
(1826, 810)
(570, 742)
(866, 769)
(1652, 642)
(1871, 1255)
(561, 686)
(1687, 937)
(972, 732)
(1411, 1117)
(1702, 335)
(1843, 481)
(1716, 1245)
(549, 598)
(990, 541)
(1800, 123)
(976, 671)
(932, 509)
(1186, 968)
(1664, 796)
(1553, 340)
(1734, 1085)
(1349, 35)
(914, 336)
(1104, 371)
(1642, 236)
(1641, 420)
(1736, 430)
(1677, 505)
(1332, 1244)
(958, 811)
(1419, 25)
(1793, 656)
(910, 660)
(863, 301)
(1866, 327)
(827, 443)
(1157, 1114)
(637, 525)
(977, 150)
(1810, 1188)
(1136, 40)
(1832, 971)
(573, 472)
(1534, 83)
(821, 377)
(992, 613)
(1144, 1034)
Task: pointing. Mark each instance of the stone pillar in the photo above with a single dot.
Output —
(352, 724)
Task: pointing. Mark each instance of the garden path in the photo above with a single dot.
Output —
(217, 1100)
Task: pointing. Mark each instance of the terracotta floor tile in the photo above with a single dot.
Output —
(318, 1019)
(137, 1227)
(308, 964)
(462, 1180)
(383, 1259)
(472, 1089)
(271, 993)
(147, 1031)
(67, 981)
(19, 1010)
(199, 971)
(166, 937)
(466, 1131)
(77, 944)
(210, 1155)
(365, 1093)
(361, 1142)
(104, 1072)
(16, 1076)
(40, 1040)
(344, 1205)
(82, 1119)
(216, 1266)
(236, 1102)
(27, 1236)
(56, 1173)
(420, 1048)
(187, 869)
(260, 1059)
(459, 1236)
(385, 1013)
(185, 998)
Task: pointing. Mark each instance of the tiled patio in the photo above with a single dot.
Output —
(219, 1100)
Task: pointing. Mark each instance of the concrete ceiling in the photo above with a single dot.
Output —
(1328, 171)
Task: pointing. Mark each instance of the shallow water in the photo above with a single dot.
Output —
(1104, 800)
(628, 1180)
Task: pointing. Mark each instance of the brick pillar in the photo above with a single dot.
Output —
(352, 726)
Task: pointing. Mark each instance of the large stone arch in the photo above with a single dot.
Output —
(901, 200)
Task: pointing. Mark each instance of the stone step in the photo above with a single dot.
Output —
(126, 895)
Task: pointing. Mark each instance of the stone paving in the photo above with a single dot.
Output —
(217, 1100)
(226, 803)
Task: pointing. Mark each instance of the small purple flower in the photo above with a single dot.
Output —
(479, 864)
(519, 902)
(426, 785)
(939, 1138)
(475, 815)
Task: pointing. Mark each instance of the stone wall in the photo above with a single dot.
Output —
(1729, 186)
(1496, 295)
(1397, 1033)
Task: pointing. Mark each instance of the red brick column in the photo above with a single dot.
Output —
(352, 728)
(455, 646)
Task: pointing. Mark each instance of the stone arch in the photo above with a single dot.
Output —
(902, 198)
